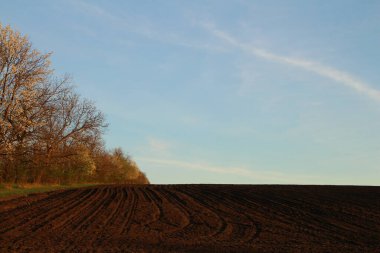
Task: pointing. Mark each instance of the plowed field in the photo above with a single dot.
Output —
(194, 218)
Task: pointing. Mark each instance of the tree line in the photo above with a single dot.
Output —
(48, 132)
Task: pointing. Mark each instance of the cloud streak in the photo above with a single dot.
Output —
(142, 27)
(205, 167)
(237, 171)
(159, 146)
(338, 76)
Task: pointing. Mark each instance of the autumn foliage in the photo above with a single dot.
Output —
(48, 133)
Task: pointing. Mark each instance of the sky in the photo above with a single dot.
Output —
(213, 91)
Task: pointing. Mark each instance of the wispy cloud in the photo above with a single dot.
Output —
(338, 76)
(159, 145)
(205, 167)
(267, 176)
(91, 8)
(142, 27)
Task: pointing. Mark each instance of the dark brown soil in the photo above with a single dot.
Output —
(194, 218)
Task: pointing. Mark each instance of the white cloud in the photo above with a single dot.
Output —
(338, 76)
(197, 166)
(267, 176)
(90, 8)
(190, 120)
(249, 80)
(159, 146)
(142, 26)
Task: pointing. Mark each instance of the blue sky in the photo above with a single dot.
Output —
(249, 92)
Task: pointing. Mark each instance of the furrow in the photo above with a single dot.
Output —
(234, 225)
(36, 213)
(131, 208)
(196, 221)
(27, 207)
(26, 230)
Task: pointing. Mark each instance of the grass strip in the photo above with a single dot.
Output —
(16, 190)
